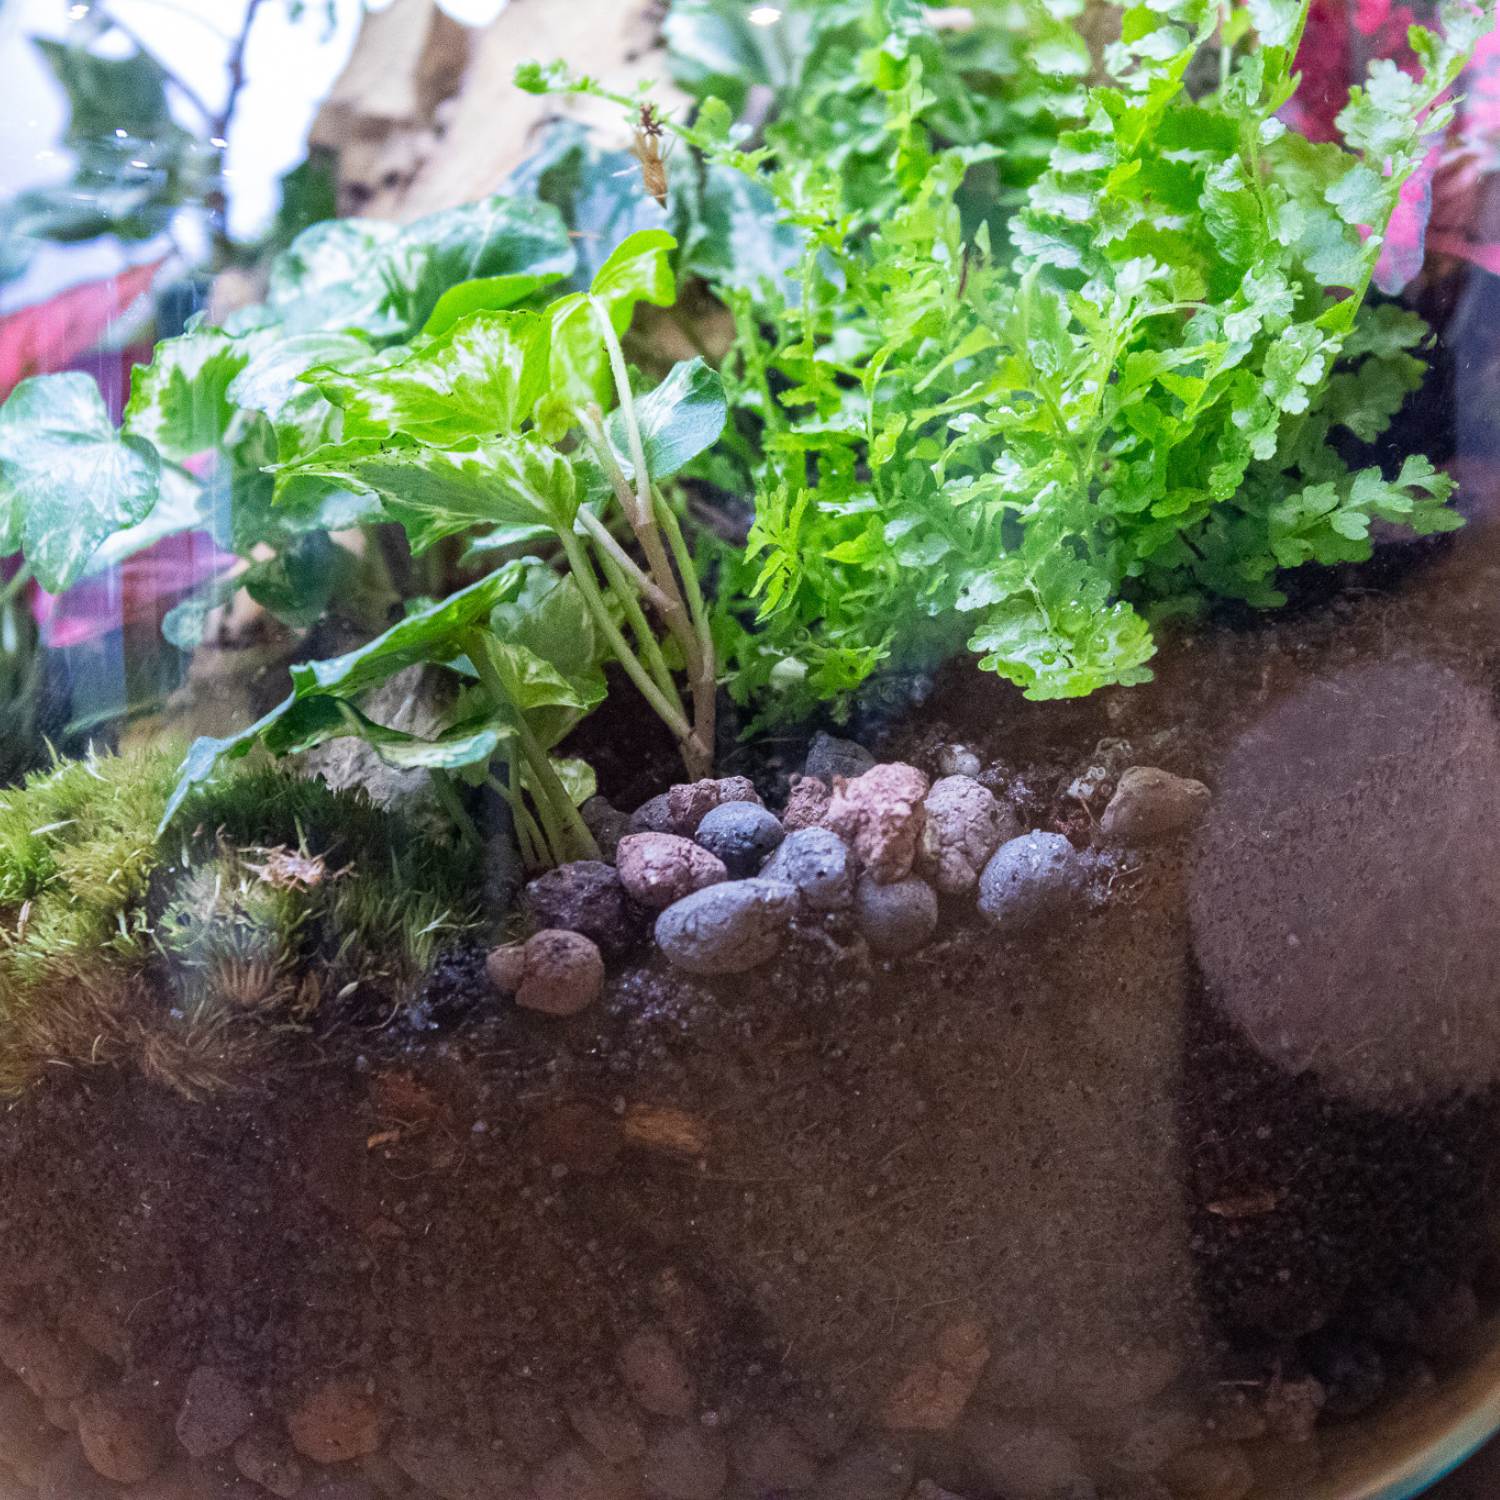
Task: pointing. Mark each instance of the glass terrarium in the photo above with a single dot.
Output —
(815, 813)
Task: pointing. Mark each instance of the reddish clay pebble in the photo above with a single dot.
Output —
(1151, 804)
(769, 1457)
(657, 869)
(215, 1412)
(340, 1421)
(27, 1439)
(445, 1466)
(965, 825)
(685, 1463)
(576, 1475)
(562, 973)
(615, 1437)
(52, 1366)
(807, 804)
(68, 1475)
(655, 1375)
(504, 966)
(266, 1457)
(688, 802)
(120, 1441)
(880, 815)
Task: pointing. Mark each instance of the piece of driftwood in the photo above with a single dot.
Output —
(426, 115)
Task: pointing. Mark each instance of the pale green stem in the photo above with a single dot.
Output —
(447, 794)
(558, 815)
(605, 540)
(640, 626)
(528, 835)
(627, 410)
(583, 574)
(18, 581)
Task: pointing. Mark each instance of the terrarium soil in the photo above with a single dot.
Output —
(801, 1177)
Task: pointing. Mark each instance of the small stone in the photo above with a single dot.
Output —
(685, 1463)
(1351, 1371)
(728, 928)
(965, 824)
(576, 1475)
(819, 864)
(880, 815)
(585, 896)
(562, 973)
(340, 1421)
(897, 918)
(1152, 1436)
(68, 1475)
(1214, 1471)
(880, 1471)
(27, 1439)
(1032, 880)
(933, 1394)
(689, 802)
(614, 1436)
(807, 803)
(829, 757)
(742, 834)
(215, 1412)
(656, 1377)
(505, 966)
(1292, 1408)
(606, 822)
(769, 1457)
(653, 816)
(265, 1456)
(120, 1441)
(1025, 1461)
(958, 760)
(657, 869)
(1150, 804)
(52, 1366)
(450, 1469)
(60, 1414)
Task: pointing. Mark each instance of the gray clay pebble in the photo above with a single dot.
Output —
(1032, 880)
(819, 864)
(728, 928)
(829, 756)
(898, 917)
(742, 834)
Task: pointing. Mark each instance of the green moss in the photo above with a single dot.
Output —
(271, 898)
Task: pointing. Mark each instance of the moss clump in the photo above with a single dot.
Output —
(272, 899)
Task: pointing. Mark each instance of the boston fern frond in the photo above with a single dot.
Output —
(1039, 435)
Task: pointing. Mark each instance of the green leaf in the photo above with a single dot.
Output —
(329, 279)
(497, 236)
(639, 270)
(298, 582)
(484, 294)
(436, 493)
(482, 377)
(106, 94)
(433, 634)
(550, 619)
(683, 417)
(68, 480)
(180, 401)
(578, 779)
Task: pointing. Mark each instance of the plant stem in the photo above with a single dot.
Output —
(698, 744)
(604, 538)
(536, 853)
(442, 784)
(559, 818)
(583, 574)
(18, 581)
(640, 626)
(704, 675)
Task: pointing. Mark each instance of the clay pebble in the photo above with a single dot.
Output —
(728, 928)
(741, 834)
(1032, 880)
(657, 869)
(818, 862)
(897, 918)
